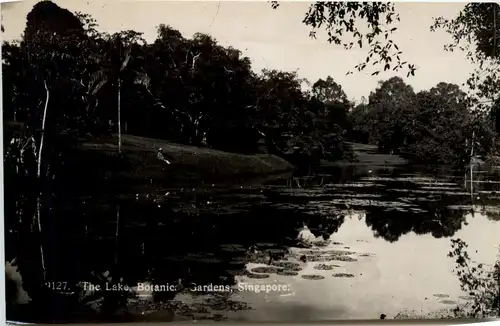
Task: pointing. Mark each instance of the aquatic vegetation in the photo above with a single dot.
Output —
(441, 295)
(286, 264)
(325, 267)
(221, 303)
(354, 185)
(366, 254)
(441, 314)
(265, 269)
(257, 276)
(368, 202)
(233, 248)
(450, 302)
(321, 243)
(347, 275)
(288, 272)
(312, 277)
(342, 258)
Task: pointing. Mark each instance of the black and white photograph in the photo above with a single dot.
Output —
(250, 161)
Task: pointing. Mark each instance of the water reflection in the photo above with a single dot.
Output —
(391, 225)
(351, 233)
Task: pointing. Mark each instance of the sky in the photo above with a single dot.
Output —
(277, 39)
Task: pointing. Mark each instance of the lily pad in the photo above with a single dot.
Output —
(266, 245)
(317, 258)
(286, 264)
(349, 275)
(276, 251)
(366, 254)
(259, 259)
(339, 252)
(287, 273)
(325, 267)
(344, 258)
(233, 248)
(265, 269)
(311, 252)
(466, 297)
(439, 295)
(257, 276)
(313, 277)
(450, 302)
(322, 243)
(294, 269)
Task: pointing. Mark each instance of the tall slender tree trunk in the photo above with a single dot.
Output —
(471, 165)
(39, 175)
(117, 230)
(119, 117)
(42, 138)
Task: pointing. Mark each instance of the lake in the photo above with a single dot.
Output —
(352, 243)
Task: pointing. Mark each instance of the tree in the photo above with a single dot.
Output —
(335, 105)
(475, 31)
(328, 91)
(204, 86)
(114, 62)
(48, 59)
(391, 105)
(361, 121)
(437, 134)
(351, 18)
(479, 280)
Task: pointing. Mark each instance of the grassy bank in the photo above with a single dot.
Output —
(139, 161)
(367, 155)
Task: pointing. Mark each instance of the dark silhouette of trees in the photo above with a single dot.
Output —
(434, 126)
(438, 221)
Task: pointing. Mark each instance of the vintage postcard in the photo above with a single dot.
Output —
(252, 161)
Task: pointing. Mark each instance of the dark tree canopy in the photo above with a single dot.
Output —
(51, 18)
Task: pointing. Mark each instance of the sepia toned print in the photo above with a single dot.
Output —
(250, 161)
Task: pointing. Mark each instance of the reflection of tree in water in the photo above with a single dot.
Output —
(161, 245)
(324, 226)
(436, 220)
(492, 213)
(494, 216)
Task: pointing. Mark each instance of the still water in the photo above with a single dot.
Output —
(351, 244)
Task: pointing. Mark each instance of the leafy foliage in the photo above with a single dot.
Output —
(482, 282)
(352, 18)
(433, 126)
(475, 32)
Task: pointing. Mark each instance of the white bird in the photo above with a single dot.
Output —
(160, 156)
(305, 235)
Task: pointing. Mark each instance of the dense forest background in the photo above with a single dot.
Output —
(71, 80)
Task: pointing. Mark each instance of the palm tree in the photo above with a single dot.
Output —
(114, 70)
